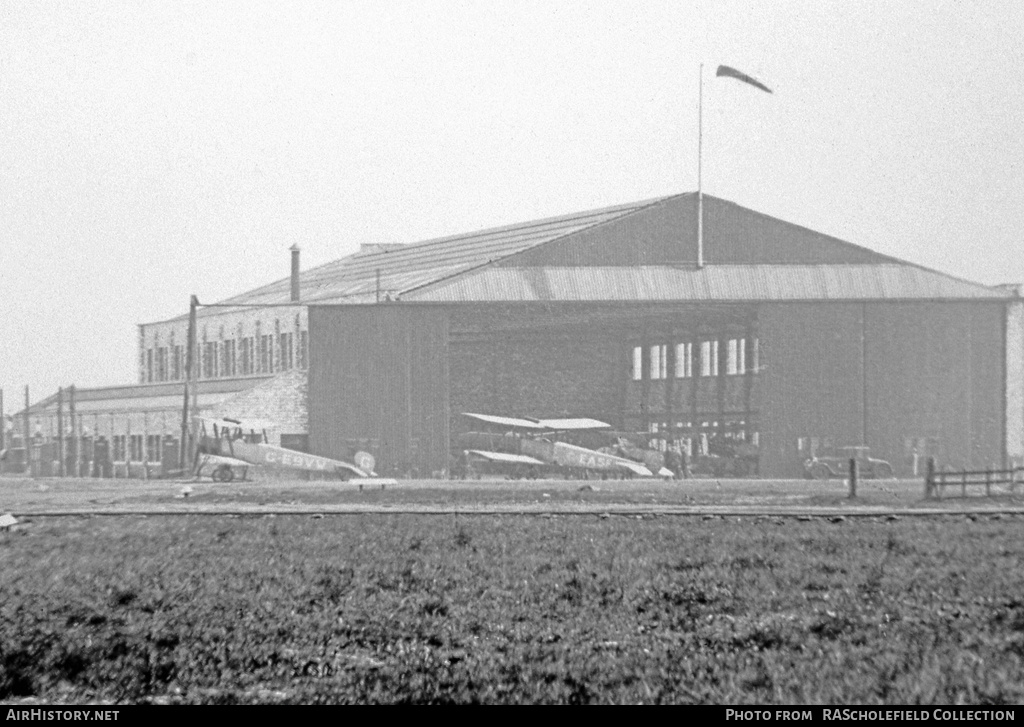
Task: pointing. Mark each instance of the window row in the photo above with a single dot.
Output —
(683, 359)
(266, 354)
(706, 437)
(139, 448)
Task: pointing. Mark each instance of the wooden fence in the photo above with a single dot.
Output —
(936, 480)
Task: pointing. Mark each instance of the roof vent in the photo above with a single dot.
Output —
(295, 273)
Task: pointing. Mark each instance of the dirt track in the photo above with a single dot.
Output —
(544, 497)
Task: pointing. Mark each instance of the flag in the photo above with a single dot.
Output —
(733, 73)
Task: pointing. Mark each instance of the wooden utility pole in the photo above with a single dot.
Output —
(185, 450)
(3, 423)
(60, 432)
(112, 449)
(26, 437)
(76, 439)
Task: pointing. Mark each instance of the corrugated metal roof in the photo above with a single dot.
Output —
(711, 283)
(401, 267)
(147, 396)
(460, 268)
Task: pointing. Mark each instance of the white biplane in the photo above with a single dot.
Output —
(534, 445)
(229, 444)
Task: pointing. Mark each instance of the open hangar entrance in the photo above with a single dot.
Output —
(679, 375)
(778, 381)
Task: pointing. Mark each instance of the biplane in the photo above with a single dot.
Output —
(531, 447)
(628, 445)
(229, 444)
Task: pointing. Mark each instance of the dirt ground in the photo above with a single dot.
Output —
(52, 496)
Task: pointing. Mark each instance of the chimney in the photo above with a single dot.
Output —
(295, 273)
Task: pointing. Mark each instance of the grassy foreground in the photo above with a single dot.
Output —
(411, 608)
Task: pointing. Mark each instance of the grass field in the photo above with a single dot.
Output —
(457, 608)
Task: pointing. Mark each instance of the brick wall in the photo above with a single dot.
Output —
(218, 328)
(281, 400)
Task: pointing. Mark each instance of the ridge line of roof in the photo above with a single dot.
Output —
(633, 209)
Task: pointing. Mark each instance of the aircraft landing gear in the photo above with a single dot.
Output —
(224, 473)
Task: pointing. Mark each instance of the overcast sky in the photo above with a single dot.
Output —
(151, 150)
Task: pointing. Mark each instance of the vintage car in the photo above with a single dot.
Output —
(838, 465)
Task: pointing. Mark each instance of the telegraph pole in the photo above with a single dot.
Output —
(25, 437)
(184, 451)
(76, 432)
(60, 432)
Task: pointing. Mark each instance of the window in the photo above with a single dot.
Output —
(161, 363)
(736, 357)
(303, 349)
(149, 365)
(243, 357)
(176, 372)
(287, 351)
(227, 359)
(659, 361)
(638, 363)
(136, 447)
(709, 358)
(264, 354)
(209, 359)
(684, 360)
(153, 448)
(755, 364)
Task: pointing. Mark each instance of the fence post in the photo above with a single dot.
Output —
(963, 483)
(853, 477)
(929, 477)
(988, 481)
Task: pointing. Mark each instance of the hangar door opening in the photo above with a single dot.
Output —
(664, 375)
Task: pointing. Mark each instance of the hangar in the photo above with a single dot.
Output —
(785, 339)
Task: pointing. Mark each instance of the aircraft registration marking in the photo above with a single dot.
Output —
(297, 459)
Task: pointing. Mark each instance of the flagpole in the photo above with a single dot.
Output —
(700, 191)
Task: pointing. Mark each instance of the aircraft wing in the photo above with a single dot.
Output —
(548, 424)
(635, 467)
(350, 468)
(221, 459)
(506, 421)
(505, 457)
(573, 424)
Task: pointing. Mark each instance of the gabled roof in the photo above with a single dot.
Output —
(402, 267)
(640, 251)
(140, 397)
